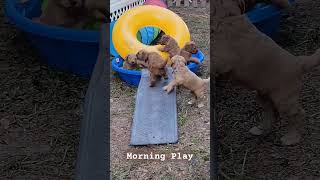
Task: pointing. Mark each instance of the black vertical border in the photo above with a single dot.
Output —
(214, 141)
(93, 160)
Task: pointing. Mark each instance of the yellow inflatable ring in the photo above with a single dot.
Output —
(124, 34)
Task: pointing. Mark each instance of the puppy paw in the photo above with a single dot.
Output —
(160, 48)
(256, 131)
(151, 84)
(165, 88)
(290, 139)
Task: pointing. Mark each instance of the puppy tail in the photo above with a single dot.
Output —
(310, 62)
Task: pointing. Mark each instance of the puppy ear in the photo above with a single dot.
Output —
(184, 61)
(173, 65)
(138, 55)
(193, 44)
(127, 58)
(145, 55)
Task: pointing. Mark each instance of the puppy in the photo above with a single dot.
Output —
(270, 70)
(72, 13)
(62, 13)
(130, 62)
(187, 51)
(171, 46)
(186, 78)
(155, 64)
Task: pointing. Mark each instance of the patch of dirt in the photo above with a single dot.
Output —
(243, 156)
(194, 123)
(40, 112)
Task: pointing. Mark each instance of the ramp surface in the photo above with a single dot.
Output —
(155, 115)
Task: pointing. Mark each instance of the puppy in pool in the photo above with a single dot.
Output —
(170, 46)
(73, 13)
(131, 62)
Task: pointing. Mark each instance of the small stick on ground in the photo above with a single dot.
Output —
(244, 162)
(64, 156)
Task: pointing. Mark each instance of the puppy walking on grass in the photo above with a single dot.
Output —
(186, 78)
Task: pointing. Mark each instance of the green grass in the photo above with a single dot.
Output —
(168, 177)
(182, 121)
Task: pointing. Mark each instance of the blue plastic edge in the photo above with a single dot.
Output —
(31, 27)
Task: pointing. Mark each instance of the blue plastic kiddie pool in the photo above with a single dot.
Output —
(132, 77)
(266, 18)
(70, 50)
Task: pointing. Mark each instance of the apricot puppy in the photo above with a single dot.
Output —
(171, 46)
(73, 13)
(155, 64)
(131, 62)
(274, 73)
(187, 51)
(182, 76)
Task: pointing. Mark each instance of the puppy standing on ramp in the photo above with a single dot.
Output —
(183, 76)
(155, 64)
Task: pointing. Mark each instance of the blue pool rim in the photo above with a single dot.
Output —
(43, 30)
(263, 11)
(117, 68)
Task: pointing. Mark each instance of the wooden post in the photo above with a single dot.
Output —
(178, 3)
(194, 3)
(186, 3)
(203, 3)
